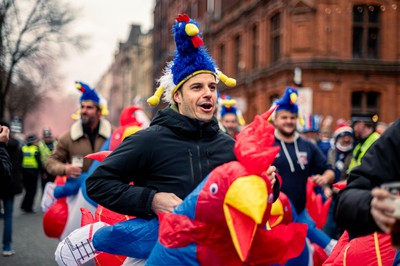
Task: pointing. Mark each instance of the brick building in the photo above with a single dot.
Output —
(129, 79)
(343, 55)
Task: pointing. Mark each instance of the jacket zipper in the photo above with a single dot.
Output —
(191, 164)
(207, 158)
(198, 154)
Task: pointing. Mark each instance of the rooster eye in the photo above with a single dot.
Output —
(213, 188)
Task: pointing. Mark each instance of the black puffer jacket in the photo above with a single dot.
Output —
(380, 164)
(13, 187)
(5, 165)
(173, 155)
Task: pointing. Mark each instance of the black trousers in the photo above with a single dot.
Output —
(30, 181)
(46, 178)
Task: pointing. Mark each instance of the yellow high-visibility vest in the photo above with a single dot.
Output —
(360, 150)
(45, 152)
(29, 160)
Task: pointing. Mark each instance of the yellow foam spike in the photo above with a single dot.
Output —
(230, 82)
(155, 99)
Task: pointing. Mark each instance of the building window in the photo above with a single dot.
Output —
(222, 56)
(365, 102)
(366, 31)
(238, 54)
(255, 46)
(275, 37)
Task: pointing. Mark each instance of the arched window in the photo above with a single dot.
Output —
(365, 102)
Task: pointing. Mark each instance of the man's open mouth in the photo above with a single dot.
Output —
(206, 107)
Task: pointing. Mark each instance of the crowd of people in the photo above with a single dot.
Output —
(154, 169)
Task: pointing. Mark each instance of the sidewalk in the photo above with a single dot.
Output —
(32, 247)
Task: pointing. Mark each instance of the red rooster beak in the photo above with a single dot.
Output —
(98, 156)
(244, 208)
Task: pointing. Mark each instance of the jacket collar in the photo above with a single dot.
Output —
(184, 125)
(104, 129)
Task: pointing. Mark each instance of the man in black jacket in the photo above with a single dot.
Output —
(361, 207)
(180, 148)
(183, 144)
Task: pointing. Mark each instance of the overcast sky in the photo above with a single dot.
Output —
(106, 23)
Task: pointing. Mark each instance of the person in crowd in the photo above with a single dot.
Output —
(183, 144)
(229, 117)
(46, 146)
(298, 160)
(32, 168)
(311, 127)
(339, 158)
(362, 207)
(365, 135)
(87, 135)
(313, 131)
(9, 189)
(4, 168)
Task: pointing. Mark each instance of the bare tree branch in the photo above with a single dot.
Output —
(31, 31)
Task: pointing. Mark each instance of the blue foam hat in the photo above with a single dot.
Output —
(88, 94)
(228, 106)
(190, 59)
(288, 101)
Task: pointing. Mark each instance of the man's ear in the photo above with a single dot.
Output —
(178, 96)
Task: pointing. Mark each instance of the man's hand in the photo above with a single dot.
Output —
(325, 179)
(380, 208)
(271, 175)
(164, 202)
(327, 192)
(4, 134)
(72, 170)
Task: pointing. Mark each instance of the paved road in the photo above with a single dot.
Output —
(32, 247)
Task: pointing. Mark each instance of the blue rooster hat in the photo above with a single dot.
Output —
(288, 101)
(190, 59)
(228, 106)
(88, 94)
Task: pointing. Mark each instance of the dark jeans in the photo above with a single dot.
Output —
(330, 227)
(8, 203)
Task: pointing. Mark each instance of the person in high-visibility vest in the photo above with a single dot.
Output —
(46, 147)
(31, 169)
(363, 207)
(364, 132)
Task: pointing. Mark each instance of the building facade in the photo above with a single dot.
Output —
(129, 79)
(344, 56)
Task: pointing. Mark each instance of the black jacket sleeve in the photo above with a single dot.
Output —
(379, 165)
(109, 183)
(5, 165)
